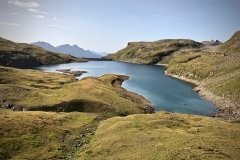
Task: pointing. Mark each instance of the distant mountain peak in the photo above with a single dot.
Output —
(45, 45)
(74, 50)
(42, 42)
(67, 45)
(75, 45)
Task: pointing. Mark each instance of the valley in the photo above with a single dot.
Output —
(48, 115)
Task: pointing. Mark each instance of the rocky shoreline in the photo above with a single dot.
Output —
(226, 109)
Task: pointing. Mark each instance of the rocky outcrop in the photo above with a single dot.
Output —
(69, 71)
(8, 105)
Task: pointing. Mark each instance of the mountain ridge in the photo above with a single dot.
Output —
(74, 50)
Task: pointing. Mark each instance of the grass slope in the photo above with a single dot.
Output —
(24, 55)
(36, 90)
(152, 52)
(57, 135)
(41, 135)
(163, 136)
(218, 67)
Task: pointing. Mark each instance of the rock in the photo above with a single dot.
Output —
(77, 73)
(197, 90)
(211, 74)
(69, 71)
(63, 70)
(7, 105)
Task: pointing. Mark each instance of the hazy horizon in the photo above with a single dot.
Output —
(107, 26)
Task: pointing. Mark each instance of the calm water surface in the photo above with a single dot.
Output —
(164, 92)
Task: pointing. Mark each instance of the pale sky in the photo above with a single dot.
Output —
(108, 25)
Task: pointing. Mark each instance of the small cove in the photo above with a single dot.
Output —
(164, 92)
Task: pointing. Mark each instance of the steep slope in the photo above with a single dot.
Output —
(232, 45)
(73, 50)
(26, 56)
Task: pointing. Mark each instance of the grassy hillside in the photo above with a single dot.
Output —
(23, 55)
(42, 135)
(34, 134)
(217, 67)
(36, 90)
(153, 52)
(163, 136)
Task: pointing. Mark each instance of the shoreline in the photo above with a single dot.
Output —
(226, 109)
(117, 82)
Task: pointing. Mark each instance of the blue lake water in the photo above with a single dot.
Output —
(164, 92)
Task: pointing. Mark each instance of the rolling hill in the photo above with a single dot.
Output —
(24, 55)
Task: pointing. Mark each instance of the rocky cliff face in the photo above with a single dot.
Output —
(23, 55)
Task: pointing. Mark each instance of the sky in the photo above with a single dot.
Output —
(108, 25)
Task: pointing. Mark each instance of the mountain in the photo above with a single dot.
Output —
(102, 54)
(153, 52)
(74, 50)
(45, 45)
(24, 55)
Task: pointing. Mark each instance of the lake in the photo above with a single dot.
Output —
(164, 92)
